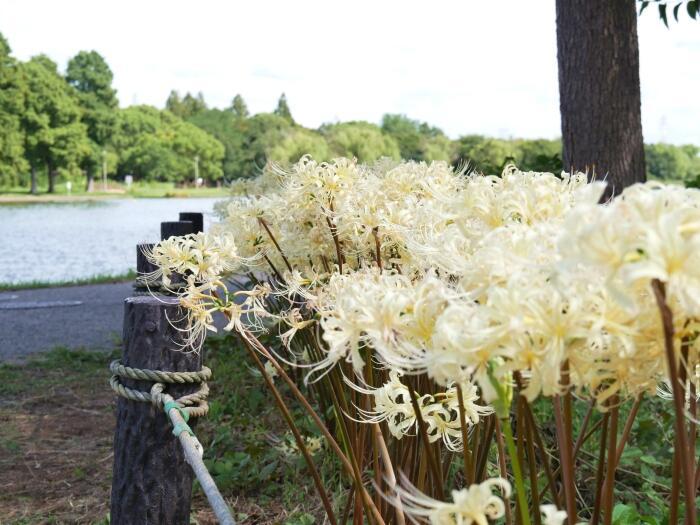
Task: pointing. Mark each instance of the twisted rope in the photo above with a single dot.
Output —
(193, 405)
(178, 411)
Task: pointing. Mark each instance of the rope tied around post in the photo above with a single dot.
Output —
(179, 412)
(195, 404)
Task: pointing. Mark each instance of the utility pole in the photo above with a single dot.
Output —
(104, 170)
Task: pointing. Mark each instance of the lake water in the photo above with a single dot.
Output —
(66, 241)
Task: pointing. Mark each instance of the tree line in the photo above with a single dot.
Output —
(69, 126)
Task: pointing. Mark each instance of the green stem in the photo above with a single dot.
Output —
(517, 472)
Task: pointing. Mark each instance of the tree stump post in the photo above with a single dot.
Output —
(151, 482)
(196, 218)
(175, 228)
(143, 268)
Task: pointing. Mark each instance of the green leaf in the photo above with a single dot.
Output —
(662, 14)
(675, 11)
(644, 6)
(692, 8)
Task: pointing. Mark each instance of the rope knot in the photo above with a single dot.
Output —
(190, 405)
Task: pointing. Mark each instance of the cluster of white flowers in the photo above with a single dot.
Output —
(473, 280)
(452, 274)
(439, 411)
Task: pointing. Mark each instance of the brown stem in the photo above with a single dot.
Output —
(348, 504)
(584, 427)
(377, 247)
(545, 458)
(350, 467)
(628, 428)
(297, 436)
(675, 489)
(531, 462)
(485, 446)
(609, 484)
(500, 445)
(600, 470)
(686, 459)
(465, 438)
(274, 241)
(567, 467)
(423, 432)
(338, 250)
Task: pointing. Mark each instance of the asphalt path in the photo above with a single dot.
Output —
(88, 317)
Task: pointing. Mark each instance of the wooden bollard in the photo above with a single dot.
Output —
(175, 228)
(151, 482)
(143, 265)
(196, 218)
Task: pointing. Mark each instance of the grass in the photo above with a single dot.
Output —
(56, 443)
(95, 279)
(20, 195)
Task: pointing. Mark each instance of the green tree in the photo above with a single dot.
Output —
(362, 140)
(484, 154)
(261, 132)
(229, 129)
(186, 106)
(157, 145)
(296, 142)
(283, 108)
(666, 161)
(538, 155)
(90, 75)
(55, 137)
(238, 107)
(12, 105)
(417, 140)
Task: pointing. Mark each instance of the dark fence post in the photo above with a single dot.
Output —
(196, 218)
(176, 228)
(151, 481)
(144, 266)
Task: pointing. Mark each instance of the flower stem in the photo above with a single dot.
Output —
(517, 472)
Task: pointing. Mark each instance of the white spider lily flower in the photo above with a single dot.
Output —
(475, 505)
(551, 515)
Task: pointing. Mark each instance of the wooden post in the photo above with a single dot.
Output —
(175, 228)
(196, 218)
(151, 482)
(144, 266)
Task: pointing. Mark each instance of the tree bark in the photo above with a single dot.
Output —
(51, 173)
(90, 183)
(599, 94)
(34, 186)
(151, 481)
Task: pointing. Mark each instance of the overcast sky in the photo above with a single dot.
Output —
(464, 66)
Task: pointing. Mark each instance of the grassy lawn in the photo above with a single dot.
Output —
(56, 443)
(95, 279)
(114, 190)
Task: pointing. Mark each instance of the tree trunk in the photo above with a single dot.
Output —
(51, 173)
(601, 121)
(34, 186)
(90, 184)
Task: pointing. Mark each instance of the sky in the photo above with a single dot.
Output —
(468, 66)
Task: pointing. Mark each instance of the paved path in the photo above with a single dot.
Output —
(75, 316)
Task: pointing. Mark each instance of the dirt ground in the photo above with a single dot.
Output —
(56, 429)
(56, 441)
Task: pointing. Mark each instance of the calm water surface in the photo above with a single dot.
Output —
(58, 242)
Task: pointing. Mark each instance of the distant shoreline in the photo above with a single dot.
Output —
(94, 279)
(45, 198)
